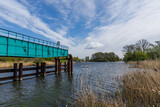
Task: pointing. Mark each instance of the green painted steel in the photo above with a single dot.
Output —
(19, 45)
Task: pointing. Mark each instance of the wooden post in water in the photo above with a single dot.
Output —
(15, 72)
(37, 69)
(20, 71)
(41, 69)
(56, 66)
(59, 66)
(44, 69)
(65, 67)
(69, 65)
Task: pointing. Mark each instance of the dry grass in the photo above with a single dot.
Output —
(50, 62)
(10, 64)
(147, 64)
(142, 87)
(29, 63)
(88, 98)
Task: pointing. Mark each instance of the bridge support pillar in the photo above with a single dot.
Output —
(15, 72)
(56, 65)
(44, 69)
(37, 69)
(70, 65)
(20, 71)
(59, 66)
(41, 69)
(65, 67)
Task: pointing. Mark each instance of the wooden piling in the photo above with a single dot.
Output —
(71, 59)
(41, 69)
(59, 66)
(65, 67)
(20, 71)
(37, 69)
(44, 69)
(56, 66)
(69, 66)
(15, 72)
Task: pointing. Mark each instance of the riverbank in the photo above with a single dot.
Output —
(7, 62)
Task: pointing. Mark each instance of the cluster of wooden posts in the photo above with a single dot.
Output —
(40, 70)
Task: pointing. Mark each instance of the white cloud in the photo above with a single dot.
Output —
(85, 8)
(74, 10)
(16, 13)
(132, 21)
(63, 6)
(94, 45)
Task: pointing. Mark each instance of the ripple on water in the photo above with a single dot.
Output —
(60, 90)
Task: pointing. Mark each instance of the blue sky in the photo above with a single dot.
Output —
(86, 26)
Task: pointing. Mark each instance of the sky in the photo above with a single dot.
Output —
(85, 26)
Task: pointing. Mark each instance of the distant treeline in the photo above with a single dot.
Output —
(77, 59)
(141, 50)
(104, 57)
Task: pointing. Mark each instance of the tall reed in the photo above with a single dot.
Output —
(143, 86)
(140, 88)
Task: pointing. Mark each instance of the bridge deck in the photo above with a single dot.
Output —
(13, 44)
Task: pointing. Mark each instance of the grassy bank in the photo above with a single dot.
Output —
(7, 62)
(140, 88)
(29, 63)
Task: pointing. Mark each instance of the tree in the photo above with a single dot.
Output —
(137, 51)
(154, 51)
(87, 58)
(140, 56)
(129, 48)
(104, 57)
(77, 59)
(142, 45)
(99, 56)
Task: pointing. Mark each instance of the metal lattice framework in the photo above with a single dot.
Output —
(14, 44)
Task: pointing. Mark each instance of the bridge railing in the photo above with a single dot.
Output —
(15, 35)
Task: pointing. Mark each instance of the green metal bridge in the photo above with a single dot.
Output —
(13, 44)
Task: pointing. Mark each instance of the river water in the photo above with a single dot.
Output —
(61, 90)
